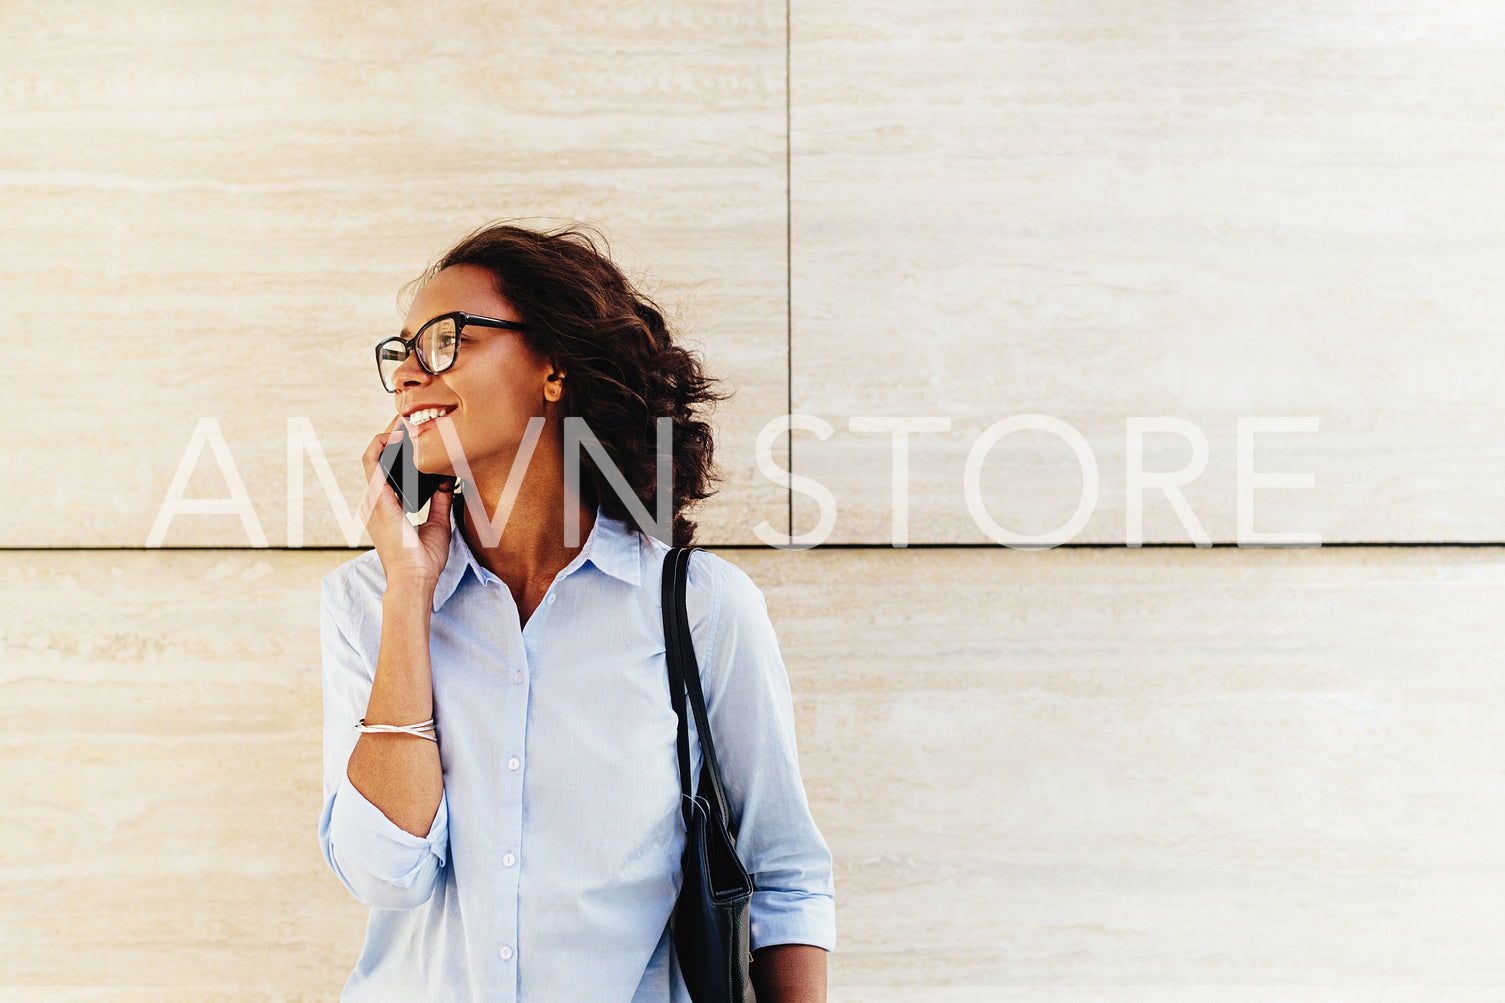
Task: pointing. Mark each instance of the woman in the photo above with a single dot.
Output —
(524, 843)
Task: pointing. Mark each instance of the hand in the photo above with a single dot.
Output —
(410, 555)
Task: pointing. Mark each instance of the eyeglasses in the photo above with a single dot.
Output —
(437, 343)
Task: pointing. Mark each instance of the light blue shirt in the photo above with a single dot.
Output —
(553, 862)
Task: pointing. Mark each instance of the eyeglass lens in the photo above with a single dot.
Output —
(435, 344)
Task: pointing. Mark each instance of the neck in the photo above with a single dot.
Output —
(524, 546)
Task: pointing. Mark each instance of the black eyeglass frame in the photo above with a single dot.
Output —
(462, 321)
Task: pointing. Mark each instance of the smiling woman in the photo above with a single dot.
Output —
(501, 783)
(610, 356)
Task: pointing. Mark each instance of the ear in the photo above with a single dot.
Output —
(553, 389)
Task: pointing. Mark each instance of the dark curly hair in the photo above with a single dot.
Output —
(623, 370)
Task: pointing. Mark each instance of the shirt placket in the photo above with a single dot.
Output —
(509, 794)
(529, 641)
(521, 647)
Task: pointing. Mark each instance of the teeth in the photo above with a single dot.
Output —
(419, 417)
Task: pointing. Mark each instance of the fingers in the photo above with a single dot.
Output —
(380, 441)
(439, 503)
(378, 491)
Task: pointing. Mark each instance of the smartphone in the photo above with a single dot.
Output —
(413, 487)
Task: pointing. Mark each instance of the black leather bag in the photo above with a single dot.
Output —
(710, 921)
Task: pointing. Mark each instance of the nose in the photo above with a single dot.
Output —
(410, 373)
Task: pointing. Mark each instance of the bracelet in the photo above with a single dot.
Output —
(423, 729)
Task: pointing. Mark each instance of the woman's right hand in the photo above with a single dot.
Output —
(410, 555)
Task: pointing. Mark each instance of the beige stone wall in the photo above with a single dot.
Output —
(1078, 774)
(1086, 768)
(1106, 211)
(213, 206)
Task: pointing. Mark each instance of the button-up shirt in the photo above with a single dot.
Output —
(553, 862)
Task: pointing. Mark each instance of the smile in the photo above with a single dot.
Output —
(423, 417)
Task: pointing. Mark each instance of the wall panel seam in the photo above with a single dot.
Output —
(1342, 545)
(789, 257)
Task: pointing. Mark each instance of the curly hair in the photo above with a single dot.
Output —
(624, 371)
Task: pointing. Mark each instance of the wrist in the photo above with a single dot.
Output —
(409, 594)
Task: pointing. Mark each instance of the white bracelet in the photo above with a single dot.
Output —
(423, 729)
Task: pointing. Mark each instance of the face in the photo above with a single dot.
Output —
(495, 385)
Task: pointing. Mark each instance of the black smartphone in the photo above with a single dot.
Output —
(413, 487)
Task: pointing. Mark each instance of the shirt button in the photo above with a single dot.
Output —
(514, 763)
(517, 677)
(508, 860)
(552, 597)
(506, 953)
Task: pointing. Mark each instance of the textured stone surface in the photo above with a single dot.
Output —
(1071, 775)
(162, 721)
(209, 209)
(1155, 768)
(1078, 776)
(1089, 213)
(1098, 212)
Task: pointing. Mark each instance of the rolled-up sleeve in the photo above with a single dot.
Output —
(751, 712)
(381, 864)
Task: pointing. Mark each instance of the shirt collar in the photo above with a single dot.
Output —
(616, 548)
(613, 546)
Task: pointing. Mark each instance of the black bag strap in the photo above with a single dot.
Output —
(684, 676)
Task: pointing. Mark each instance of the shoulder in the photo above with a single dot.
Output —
(727, 585)
(712, 581)
(726, 607)
(348, 591)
